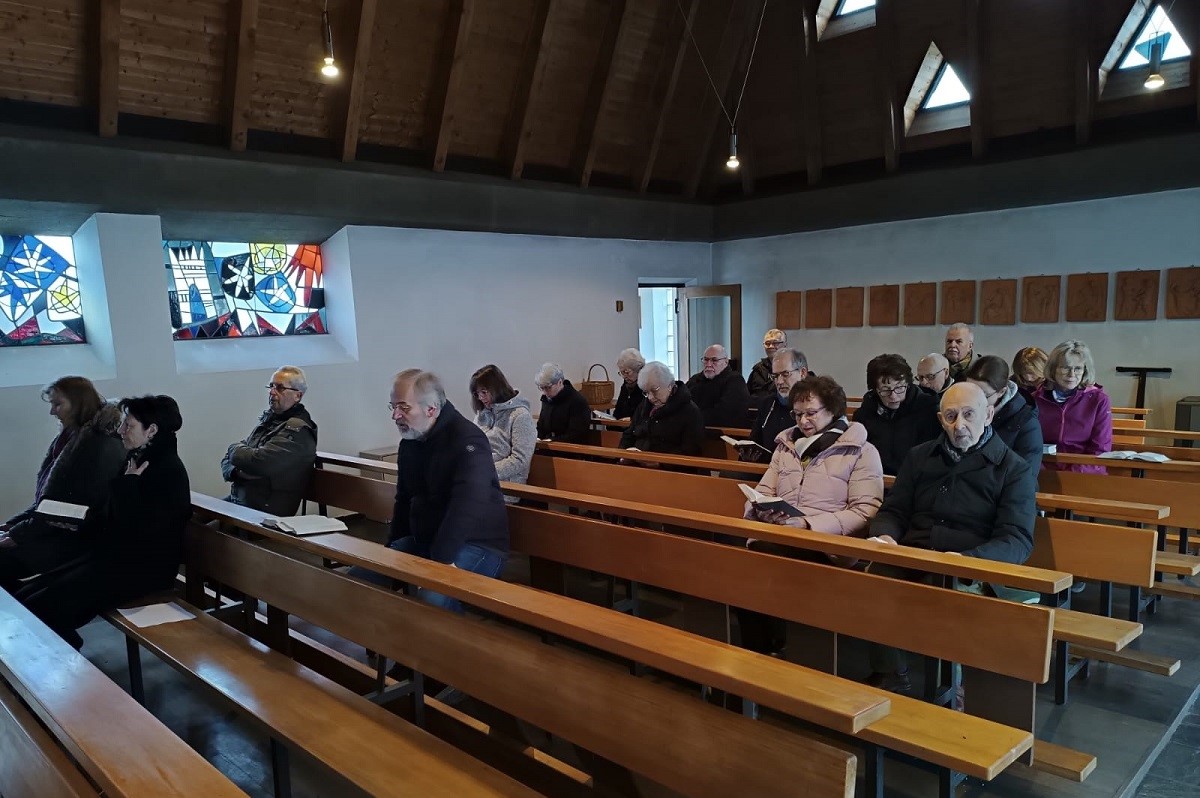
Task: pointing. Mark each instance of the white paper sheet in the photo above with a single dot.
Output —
(155, 614)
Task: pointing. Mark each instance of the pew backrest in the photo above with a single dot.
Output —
(1120, 554)
(1184, 504)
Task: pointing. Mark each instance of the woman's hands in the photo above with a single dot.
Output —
(134, 468)
(782, 519)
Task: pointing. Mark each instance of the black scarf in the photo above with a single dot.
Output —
(956, 454)
(823, 439)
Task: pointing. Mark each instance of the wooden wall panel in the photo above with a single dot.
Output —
(958, 302)
(885, 305)
(788, 309)
(920, 304)
(1137, 296)
(998, 302)
(45, 54)
(1087, 297)
(818, 309)
(850, 307)
(1041, 299)
(1183, 293)
(404, 47)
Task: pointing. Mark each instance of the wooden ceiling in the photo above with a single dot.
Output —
(605, 93)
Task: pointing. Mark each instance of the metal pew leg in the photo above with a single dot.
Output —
(280, 770)
(133, 653)
(873, 760)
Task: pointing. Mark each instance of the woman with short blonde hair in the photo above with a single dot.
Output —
(1074, 410)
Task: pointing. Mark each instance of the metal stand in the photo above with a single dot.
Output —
(1140, 374)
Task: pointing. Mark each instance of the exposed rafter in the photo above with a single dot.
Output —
(359, 63)
(976, 14)
(665, 96)
(885, 59)
(1085, 71)
(584, 155)
(239, 68)
(447, 75)
(520, 122)
(109, 62)
(809, 92)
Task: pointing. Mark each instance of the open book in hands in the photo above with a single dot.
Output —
(739, 444)
(1126, 454)
(62, 509)
(305, 524)
(603, 416)
(770, 503)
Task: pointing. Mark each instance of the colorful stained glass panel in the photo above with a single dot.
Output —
(228, 290)
(39, 292)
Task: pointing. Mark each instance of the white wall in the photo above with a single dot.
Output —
(1152, 231)
(445, 301)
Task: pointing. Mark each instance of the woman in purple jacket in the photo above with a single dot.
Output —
(1075, 412)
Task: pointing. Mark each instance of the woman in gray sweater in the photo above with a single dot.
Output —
(508, 423)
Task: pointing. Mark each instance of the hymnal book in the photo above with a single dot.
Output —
(1049, 448)
(602, 415)
(62, 509)
(771, 503)
(738, 444)
(1126, 454)
(305, 524)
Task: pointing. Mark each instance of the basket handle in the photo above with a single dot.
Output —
(589, 374)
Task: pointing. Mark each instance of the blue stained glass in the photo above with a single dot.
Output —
(39, 292)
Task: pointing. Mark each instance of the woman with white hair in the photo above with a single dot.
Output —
(1075, 412)
(668, 421)
(629, 365)
(565, 415)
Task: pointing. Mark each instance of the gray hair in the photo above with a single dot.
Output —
(936, 359)
(772, 334)
(958, 325)
(548, 374)
(799, 361)
(426, 387)
(1058, 356)
(295, 377)
(657, 372)
(630, 359)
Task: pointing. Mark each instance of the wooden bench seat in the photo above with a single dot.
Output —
(1169, 562)
(31, 761)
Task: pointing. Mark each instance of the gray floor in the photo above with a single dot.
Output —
(1143, 728)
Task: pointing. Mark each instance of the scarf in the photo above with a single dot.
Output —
(56, 449)
(810, 447)
(956, 455)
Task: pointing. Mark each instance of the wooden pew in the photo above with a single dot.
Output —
(81, 714)
(1173, 470)
(593, 705)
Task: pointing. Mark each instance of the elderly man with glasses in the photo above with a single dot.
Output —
(788, 367)
(760, 382)
(933, 373)
(269, 469)
(897, 414)
(719, 391)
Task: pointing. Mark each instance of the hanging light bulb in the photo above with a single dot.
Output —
(329, 67)
(733, 163)
(1155, 79)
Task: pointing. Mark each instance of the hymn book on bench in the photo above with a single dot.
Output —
(305, 524)
(770, 503)
(1127, 454)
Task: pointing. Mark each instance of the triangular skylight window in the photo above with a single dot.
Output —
(1157, 28)
(853, 6)
(947, 90)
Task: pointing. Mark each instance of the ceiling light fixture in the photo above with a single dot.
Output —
(1155, 79)
(329, 67)
(733, 163)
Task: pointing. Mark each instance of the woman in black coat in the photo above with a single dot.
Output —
(668, 422)
(140, 545)
(897, 414)
(1016, 417)
(565, 415)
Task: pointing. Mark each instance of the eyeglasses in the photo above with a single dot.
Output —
(651, 391)
(627, 372)
(546, 387)
(924, 378)
(1070, 369)
(401, 406)
(773, 344)
(778, 375)
(277, 388)
(809, 414)
(895, 390)
(713, 359)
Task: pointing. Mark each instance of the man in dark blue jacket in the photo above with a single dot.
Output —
(449, 507)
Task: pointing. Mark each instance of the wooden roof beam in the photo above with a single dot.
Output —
(108, 90)
(239, 68)
(810, 93)
(520, 122)
(447, 75)
(584, 155)
(1086, 72)
(976, 13)
(664, 98)
(885, 59)
(359, 62)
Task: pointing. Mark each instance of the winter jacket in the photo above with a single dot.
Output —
(773, 417)
(447, 493)
(675, 428)
(724, 400)
(510, 430)
(1080, 425)
(628, 400)
(1016, 422)
(839, 491)
(270, 469)
(760, 383)
(567, 417)
(959, 370)
(981, 505)
(895, 433)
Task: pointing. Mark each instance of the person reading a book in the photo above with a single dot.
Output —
(565, 415)
(719, 391)
(668, 421)
(138, 544)
(629, 366)
(1016, 418)
(507, 422)
(82, 459)
(897, 415)
(1075, 412)
(760, 383)
(269, 469)
(933, 373)
(965, 493)
(1029, 369)
(788, 367)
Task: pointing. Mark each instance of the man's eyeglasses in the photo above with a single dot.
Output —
(924, 378)
(403, 408)
(809, 414)
(780, 375)
(713, 359)
(895, 390)
(277, 388)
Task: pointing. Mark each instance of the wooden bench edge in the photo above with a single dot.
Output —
(1160, 664)
(1061, 761)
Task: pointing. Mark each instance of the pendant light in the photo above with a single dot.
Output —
(329, 67)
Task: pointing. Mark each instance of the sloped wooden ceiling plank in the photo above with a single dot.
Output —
(239, 71)
(359, 63)
(885, 44)
(809, 91)
(448, 75)
(1085, 72)
(976, 15)
(109, 35)
(583, 158)
(666, 96)
(520, 121)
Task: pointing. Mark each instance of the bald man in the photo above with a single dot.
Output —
(933, 373)
(719, 391)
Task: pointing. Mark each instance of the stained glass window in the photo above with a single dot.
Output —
(228, 290)
(39, 292)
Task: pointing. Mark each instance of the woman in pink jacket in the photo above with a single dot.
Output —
(1075, 412)
(824, 467)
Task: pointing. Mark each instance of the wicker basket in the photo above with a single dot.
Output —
(598, 393)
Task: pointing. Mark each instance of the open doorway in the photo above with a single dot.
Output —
(659, 334)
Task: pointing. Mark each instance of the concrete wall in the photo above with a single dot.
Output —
(447, 301)
(1152, 231)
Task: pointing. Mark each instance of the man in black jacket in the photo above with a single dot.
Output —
(449, 507)
(760, 383)
(269, 470)
(720, 392)
(788, 367)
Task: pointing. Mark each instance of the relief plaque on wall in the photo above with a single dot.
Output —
(920, 304)
(1087, 297)
(885, 306)
(1183, 293)
(818, 309)
(998, 302)
(787, 309)
(850, 307)
(1137, 296)
(1041, 298)
(958, 302)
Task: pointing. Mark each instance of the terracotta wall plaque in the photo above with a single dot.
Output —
(1183, 293)
(818, 309)
(1137, 296)
(787, 309)
(958, 302)
(1087, 297)
(998, 302)
(885, 305)
(1041, 298)
(850, 307)
(920, 304)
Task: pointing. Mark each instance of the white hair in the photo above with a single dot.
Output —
(295, 377)
(657, 372)
(427, 389)
(630, 359)
(548, 374)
